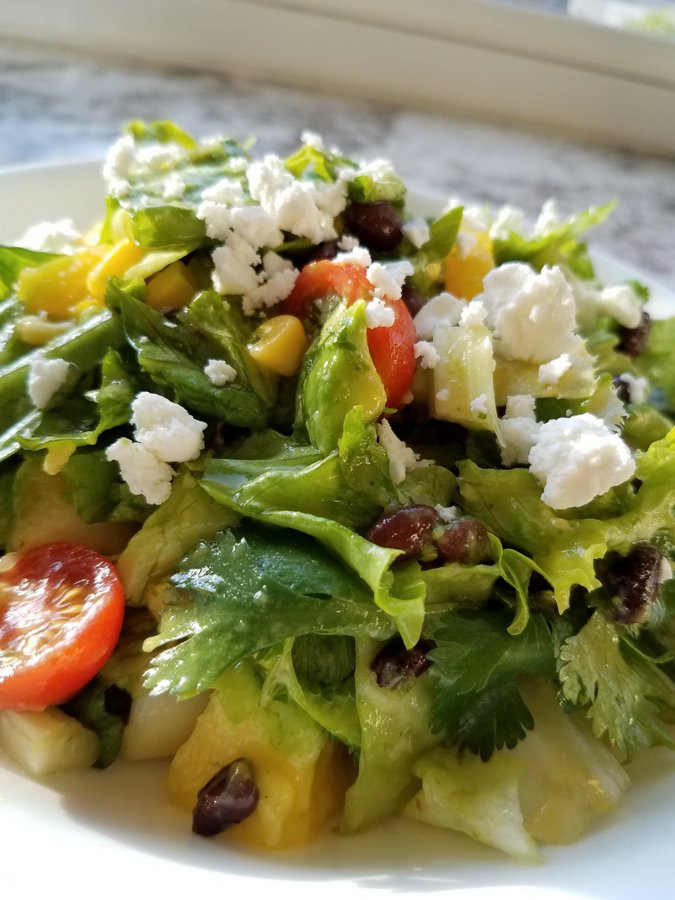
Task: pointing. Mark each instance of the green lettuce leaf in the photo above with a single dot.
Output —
(13, 260)
(656, 363)
(428, 260)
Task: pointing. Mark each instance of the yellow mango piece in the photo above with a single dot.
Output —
(279, 345)
(300, 773)
(172, 288)
(59, 285)
(117, 261)
(468, 263)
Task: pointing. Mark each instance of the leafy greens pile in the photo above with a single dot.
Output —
(434, 674)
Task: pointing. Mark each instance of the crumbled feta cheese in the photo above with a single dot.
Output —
(474, 313)
(550, 373)
(548, 219)
(51, 237)
(237, 164)
(417, 232)
(142, 470)
(474, 218)
(507, 220)
(577, 459)
(442, 311)
(479, 405)
(387, 279)
(621, 303)
(248, 223)
(166, 429)
(427, 354)
(518, 429)
(156, 157)
(359, 256)
(313, 140)
(379, 170)
(520, 406)
(638, 387)
(348, 243)
(276, 281)
(443, 395)
(219, 372)
(304, 208)
(226, 191)
(174, 187)
(45, 378)
(447, 514)
(531, 314)
(117, 166)
(234, 271)
(402, 459)
(378, 314)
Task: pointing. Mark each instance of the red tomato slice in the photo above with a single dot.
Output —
(61, 611)
(391, 348)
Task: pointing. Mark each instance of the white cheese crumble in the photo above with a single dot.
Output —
(402, 458)
(45, 378)
(519, 430)
(305, 208)
(166, 429)
(531, 314)
(442, 311)
(313, 140)
(474, 313)
(142, 470)
(447, 514)
(387, 279)
(348, 243)
(622, 303)
(507, 219)
(550, 373)
(234, 263)
(276, 281)
(378, 314)
(227, 191)
(219, 372)
(174, 187)
(548, 218)
(51, 237)
(638, 387)
(427, 354)
(577, 459)
(117, 166)
(417, 232)
(359, 256)
(479, 405)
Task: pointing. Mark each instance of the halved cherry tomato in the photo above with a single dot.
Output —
(61, 610)
(391, 348)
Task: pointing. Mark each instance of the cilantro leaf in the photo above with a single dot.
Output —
(476, 704)
(247, 591)
(594, 673)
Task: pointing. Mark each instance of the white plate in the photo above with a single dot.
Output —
(111, 833)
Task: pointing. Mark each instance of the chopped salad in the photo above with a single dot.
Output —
(347, 511)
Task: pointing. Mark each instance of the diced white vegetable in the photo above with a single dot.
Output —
(46, 742)
(159, 724)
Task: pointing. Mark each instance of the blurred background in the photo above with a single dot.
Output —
(490, 100)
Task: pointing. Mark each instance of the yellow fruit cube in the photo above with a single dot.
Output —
(117, 261)
(468, 263)
(301, 774)
(57, 286)
(172, 288)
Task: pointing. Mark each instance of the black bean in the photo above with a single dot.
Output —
(412, 299)
(117, 702)
(395, 663)
(377, 225)
(633, 341)
(408, 528)
(227, 799)
(325, 250)
(465, 541)
(634, 579)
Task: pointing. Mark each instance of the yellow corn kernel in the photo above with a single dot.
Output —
(468, 263)
(172, 288)
(58, 285)
(118, 260)
(279, 345)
